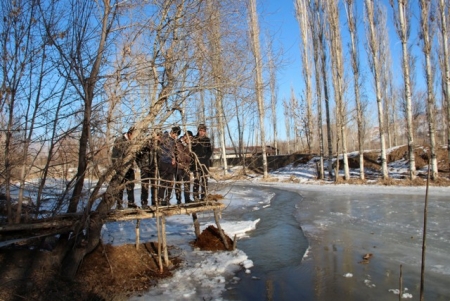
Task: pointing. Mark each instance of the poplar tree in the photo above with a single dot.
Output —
(402, 14)
(316, 28)
(373, 37)
(426, 37)
(337, 62)
(301, 13)
(352, 21)
(445, 63)
(256, 50)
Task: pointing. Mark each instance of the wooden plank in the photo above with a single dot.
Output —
(132, 214)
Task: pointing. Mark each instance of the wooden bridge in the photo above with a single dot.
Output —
(26, 233)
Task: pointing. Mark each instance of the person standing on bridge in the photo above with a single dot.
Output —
(147, 160)
(201, 147)
(167, 165)
(183, 174)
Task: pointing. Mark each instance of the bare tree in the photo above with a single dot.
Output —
(256, 50)
(323, 55)
(316, 29)
(374, 48)
(273, 96)
(402, 21)
(287, 123)
(445, 69)
(20, 56)
(338, 78)
(82, 69)
(352, 21)
(301, 13)
(426, 36)
(389, 101)
(215, 41)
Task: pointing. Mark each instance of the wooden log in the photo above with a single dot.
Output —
(222, 235)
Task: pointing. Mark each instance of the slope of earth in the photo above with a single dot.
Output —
(108, 273)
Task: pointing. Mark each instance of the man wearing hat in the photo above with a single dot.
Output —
(167, 165)
(201, 147)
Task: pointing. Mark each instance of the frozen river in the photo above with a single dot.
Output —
(307, 242)
(341, 225)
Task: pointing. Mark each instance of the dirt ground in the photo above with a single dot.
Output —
(108, 273)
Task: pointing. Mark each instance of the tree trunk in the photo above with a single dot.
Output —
(327, 102)
(443, 9)
(424, 25)
(256, 49)
(375, 66)
(316, 29)
(338, 79)
(302, 15)
(352, 20)
(402, 25)
(215, 41)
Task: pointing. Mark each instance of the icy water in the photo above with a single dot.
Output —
(277, 247)
(341, 225)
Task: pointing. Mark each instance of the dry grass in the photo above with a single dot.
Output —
(270, 179)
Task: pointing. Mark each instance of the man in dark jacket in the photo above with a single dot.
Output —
(201, 147)
(147, 160)
(183, 174)
(167, 165)
(121, 144)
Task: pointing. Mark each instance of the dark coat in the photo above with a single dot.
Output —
(183, 156)
(147, 157)
(201, 146)
(167, 149)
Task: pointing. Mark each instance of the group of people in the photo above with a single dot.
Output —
(166, 162)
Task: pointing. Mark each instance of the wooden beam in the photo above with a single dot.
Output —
(132, 214)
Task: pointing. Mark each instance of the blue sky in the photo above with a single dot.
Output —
(279, 18)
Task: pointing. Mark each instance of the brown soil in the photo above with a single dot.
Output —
(372, 159)
(210, 240)
(108, 273)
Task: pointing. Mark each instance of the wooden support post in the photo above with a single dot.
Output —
(158, 228)
(138, 222)
(196, 225)
(222, 235)
(164, 241)
(234, 242)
